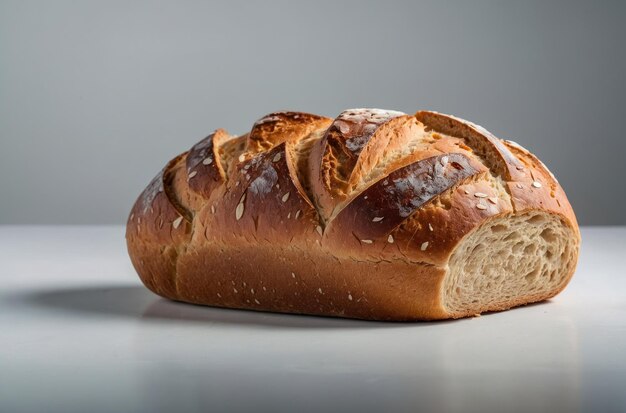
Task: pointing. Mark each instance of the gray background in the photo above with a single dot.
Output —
(96, 97)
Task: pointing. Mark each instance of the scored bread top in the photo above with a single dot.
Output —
(370, 185)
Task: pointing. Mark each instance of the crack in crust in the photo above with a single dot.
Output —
(205, 163)
(172, 190)
(497, 156)
(393, 199)
(339, 153)
(278, 127)
(491, 151)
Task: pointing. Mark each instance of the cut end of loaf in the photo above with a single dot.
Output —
(510, 261)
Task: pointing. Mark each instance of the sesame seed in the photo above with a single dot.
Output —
(213, 209)
(276, 157)
(390, 239)
(194, 173)
(242, 157)
(289, 215)
(132, 216)
(430, 227)
(519, 186)
(466, 192)
(177, 222)
(320, 290)
(219, 295)
(139, 220)
(493, 200)
(480, 195)
(207, 161)
(297, 214)
(235, 290)
(252, 290)
(319, 230)
(264, 289)
(285, 197)
(256, 301)
(519, 168)
(239, 211)
(367, 241)
(365, 197)
(424, 246)
(537, 184)
(377, 219)
(350, 297)
(481, 206)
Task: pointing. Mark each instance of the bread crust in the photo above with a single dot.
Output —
(353, 217)
(529, 183)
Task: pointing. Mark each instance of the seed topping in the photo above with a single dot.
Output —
(177, 222)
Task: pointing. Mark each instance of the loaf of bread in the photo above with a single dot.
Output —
(373, 215)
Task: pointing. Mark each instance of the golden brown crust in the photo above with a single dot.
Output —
(548, 196)
(376, 216)
(204, 164)
(493, 150)
(264, 203)
(355, 217)
(155, 230)
(528, 181)
(337, 154)
(156, 216)
(279, 127)
(304, 281)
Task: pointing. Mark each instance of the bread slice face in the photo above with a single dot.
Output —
(374, 215)
(508, 261)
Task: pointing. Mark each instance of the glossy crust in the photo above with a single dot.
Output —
(306, 214)
(530, 184)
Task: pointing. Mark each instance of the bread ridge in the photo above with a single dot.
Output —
(268, 193)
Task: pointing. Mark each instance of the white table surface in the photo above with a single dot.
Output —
(78, 332)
